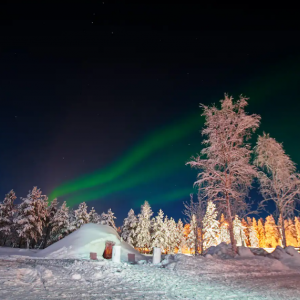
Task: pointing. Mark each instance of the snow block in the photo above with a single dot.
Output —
(131, 257)
(156, 255)
(93, 255)
(116, 254)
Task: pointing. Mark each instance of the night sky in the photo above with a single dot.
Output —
(100, 102)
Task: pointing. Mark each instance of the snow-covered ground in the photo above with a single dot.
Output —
(27, 274)
(187, 278)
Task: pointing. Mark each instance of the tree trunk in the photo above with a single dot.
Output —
(201, 242)
(232, 239)
(283, 232)
(196, 241)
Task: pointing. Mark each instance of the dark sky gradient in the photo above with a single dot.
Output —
(81, 86)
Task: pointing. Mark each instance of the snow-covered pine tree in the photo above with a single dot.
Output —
(108, 219)
(223, 236)
(181, 241)
(7, 210)
(291, 234)
(81, 215)
(51, 211)
(128, 228)
(261, 233)
(60, 224)
(246, 231)
(253, 238)
(142, 232)
(172, 235)
(192, 234)
(159, 234)
(210, 226)
(279, 181)
(31, 216)
(254, 242)
(94, 217)
(225, 170)
(271, 233)
(72, 221)
(238, 230)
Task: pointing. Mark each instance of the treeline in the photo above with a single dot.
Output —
(35, 224)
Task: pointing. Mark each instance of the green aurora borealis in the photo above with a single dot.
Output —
(163, 154)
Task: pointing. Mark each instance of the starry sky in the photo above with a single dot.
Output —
(100, 101)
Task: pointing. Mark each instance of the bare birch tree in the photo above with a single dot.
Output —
(225, 170)
(278, 179)
(198, 209)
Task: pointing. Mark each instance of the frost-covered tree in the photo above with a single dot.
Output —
(272, 234)
(7, 210)
(159, 231)
(278, 179)
(291, 233)
(108, 219)
(81, 215)
(172, 235)
(297, 225)
(50, 212)
(261, 233)
(210, 226)
(224, 236)
(94, 217)
(60, 223)
(238, 230)
(253, 237)
(225, 171)
(142, 232)
(31, 216)
(246, 231)
(181, 241)
(198, 209)
(192, 234)
(128, 228)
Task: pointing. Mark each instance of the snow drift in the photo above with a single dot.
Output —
(89, 238)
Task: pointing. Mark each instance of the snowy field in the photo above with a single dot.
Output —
(63, 271)
(184, 278)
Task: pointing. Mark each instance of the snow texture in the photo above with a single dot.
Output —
(179, 277)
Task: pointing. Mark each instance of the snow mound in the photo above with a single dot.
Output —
(244, 252)
(222, 250)
(259, 251)
(288, 257)
(291, 251)
(279, 253)
(89, 238)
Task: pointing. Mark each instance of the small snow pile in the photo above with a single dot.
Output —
(222, 250)
(279, 253)
(245, 252)
(292, 251)
(259, 251)
(89, 238)
(288, 256)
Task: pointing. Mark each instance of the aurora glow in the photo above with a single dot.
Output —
(131, 170)
(156, 141)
